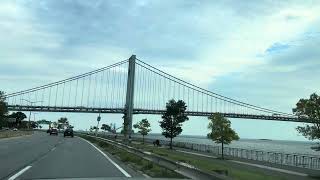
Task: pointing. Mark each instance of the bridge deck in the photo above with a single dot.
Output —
(148, 111)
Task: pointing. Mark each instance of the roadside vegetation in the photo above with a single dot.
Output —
(10, 133)
(221, 131)
(206, 164)
(173, 118)
(144, 128)
(134, 161)
(310, 109)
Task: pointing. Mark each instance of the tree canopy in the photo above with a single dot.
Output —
(221, 131)
(63, 120)
(3, 107)
(173, 118)
(105, 127)
(309, 108)
(19, 116)
(43, 121)
(144, 127)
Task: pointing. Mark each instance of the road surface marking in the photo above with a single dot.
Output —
(53, 149)
(271, 168)
(19, 173)
(115, 164)
(196, 154)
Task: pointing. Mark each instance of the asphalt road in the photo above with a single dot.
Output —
(42, 156)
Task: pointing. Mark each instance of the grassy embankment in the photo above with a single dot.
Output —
(10, 133)
(135, 161)
(234, 170)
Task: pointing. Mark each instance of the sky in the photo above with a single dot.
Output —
(261, 52)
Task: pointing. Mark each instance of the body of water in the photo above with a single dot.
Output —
(299, 147)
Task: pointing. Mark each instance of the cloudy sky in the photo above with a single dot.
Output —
(262, 52)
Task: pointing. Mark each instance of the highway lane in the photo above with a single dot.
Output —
(53, 157)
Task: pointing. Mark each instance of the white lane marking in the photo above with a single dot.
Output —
(196, 154)
(19, 173)
(271, 168)
(115, 164)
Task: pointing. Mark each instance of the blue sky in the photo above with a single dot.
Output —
(262, 52)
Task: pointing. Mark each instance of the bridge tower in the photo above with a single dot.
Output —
(130, 94)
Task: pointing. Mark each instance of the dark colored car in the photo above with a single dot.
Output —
(54, 131)
(48, 131)
(68, 132)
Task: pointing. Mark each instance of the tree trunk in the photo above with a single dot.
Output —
(222, 150)
(142, 139)
(171, 143)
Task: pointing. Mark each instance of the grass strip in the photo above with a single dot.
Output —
(212, 165)
(9, 133)
(137, 162)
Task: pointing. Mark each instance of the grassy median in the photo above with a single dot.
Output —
(136, 162)
(10, 133)
(210, 164)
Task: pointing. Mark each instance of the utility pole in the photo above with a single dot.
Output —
(130, 94)
(30, 110)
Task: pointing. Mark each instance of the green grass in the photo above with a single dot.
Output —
(211, 165)
(10, 133)
(135, 161)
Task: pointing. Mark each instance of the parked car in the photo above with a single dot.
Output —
(68, 132)
(15, 129)
(54, 131)
(49, 130)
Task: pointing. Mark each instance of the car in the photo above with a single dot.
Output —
(15, 129)
(68, 132)
(49, 130)
(54, 131)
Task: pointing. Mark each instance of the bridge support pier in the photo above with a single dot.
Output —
(130, 95)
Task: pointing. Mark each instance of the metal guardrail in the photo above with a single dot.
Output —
(296, 160)
(190, 172)
(288, 159)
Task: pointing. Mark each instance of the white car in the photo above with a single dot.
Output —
(15, 129)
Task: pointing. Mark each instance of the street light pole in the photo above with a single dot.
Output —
(30, 110)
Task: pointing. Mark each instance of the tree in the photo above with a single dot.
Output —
(309, 109)
(105, 127)
(144, 128)
(63, 120)
(43, 121)
(19, 116)
(173, 118)
(3, 107)
(221, 131)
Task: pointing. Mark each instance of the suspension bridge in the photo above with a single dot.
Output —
(134, 87)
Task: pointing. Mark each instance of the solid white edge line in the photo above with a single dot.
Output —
(19, 173)
(115, 164)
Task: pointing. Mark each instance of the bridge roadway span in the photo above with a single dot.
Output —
(44, 157)
(146, 111)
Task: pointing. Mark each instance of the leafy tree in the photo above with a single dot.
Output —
(144, 128)
(221, 131)
(105, 127)
(19, 116)
(173, 118)
(309, 109)
(3, 108)
(43, 121)
(63, 120)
